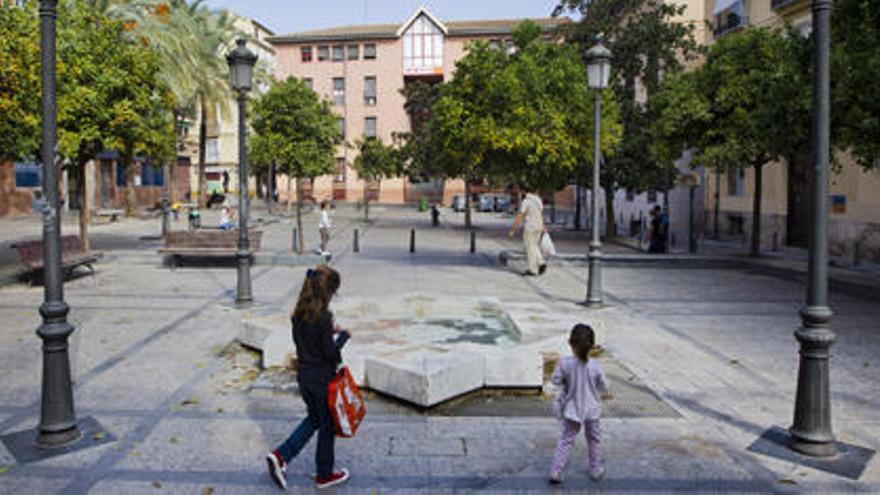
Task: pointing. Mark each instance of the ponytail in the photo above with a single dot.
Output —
(582, 339)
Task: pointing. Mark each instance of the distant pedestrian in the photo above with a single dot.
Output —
(657, 234)
(318, 356)
(435, 215)
(582, 381)
(324, 227)
(531, 214)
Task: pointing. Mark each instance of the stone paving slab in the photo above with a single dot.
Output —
(716, 345)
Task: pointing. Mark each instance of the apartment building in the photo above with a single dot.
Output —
(854, 194)
(362, 70)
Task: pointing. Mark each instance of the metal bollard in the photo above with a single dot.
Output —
(294, 240)
(412, 240)
(473, 241)
(356, 247)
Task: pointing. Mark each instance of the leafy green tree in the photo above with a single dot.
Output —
(375, 161)
(516, 117)
(19, 84)
(108, 97)
(647, 42)
(747, 105)
(297, 131)
(855, 58)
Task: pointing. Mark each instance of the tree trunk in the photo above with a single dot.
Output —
(610, 223)
(271, 188)
(289, 192)
(299, 220)
(756, 212)
(203, 145)
(130, 195)
(366, 201)
(83, 193)
(467, 203)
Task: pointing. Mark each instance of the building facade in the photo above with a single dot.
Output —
(362, 69)
(854, 194)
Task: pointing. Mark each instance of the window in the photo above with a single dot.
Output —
(652, 196)
(339, 175)
(370, 51)
(730, 15)
(120, 174)
(630, 195)
(354, 52)
(495, 44)
(308, 82)
(370, 90)
(212, 150)
(306, 53)
(340, 122)
(151, 175)
(370, 127)
(338, 91)
(422, 48)
(736, 178)
(28, 174)
(338, 53)
(323, 53)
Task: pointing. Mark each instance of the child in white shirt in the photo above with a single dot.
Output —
(324, 227)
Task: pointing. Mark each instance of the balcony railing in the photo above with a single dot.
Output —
(781, 4)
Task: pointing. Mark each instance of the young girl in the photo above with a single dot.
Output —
(581, 381)
(318, 356)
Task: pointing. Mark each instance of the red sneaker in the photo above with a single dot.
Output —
(276, 469)
(334, 479)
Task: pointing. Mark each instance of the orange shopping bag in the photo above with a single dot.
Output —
(346, 403)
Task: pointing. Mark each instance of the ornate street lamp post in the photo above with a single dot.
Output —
(57, 418)
(811, 430)
(598, 71)
(241, 70)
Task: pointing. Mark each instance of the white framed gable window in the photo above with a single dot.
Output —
(423, 47)
(212, 150)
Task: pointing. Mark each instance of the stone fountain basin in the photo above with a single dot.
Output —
(425, 350)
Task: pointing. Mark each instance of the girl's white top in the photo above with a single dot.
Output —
(580, 384)
(324, 223)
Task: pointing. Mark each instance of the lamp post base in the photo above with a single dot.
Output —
(594, 285)
(244, 297)
(58, 438)
(827, 448)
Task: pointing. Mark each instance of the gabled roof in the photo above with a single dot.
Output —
(419, 12)
(497, 27)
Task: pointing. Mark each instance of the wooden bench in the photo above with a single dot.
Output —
(206, 243)
(73, 254)
(112, 213)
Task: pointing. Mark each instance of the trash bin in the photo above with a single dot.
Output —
(423, 204)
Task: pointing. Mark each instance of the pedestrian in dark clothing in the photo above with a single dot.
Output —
(435, 215)
(657, 234)
(318, 356)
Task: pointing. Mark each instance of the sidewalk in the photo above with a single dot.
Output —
(186, 409)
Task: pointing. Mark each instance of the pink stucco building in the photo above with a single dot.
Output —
(362, 70)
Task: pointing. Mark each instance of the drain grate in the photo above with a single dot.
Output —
(631, 398)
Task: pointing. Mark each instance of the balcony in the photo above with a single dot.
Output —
(728, 23)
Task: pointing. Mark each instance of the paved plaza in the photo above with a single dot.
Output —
(702, 361)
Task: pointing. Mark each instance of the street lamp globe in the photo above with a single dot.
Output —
(598, 66)
(241, 66)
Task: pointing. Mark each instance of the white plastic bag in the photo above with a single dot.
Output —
(548, 250)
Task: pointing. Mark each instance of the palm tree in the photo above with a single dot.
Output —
(191, 39)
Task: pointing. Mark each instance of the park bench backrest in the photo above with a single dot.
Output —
(210, 239)
(31, 252)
